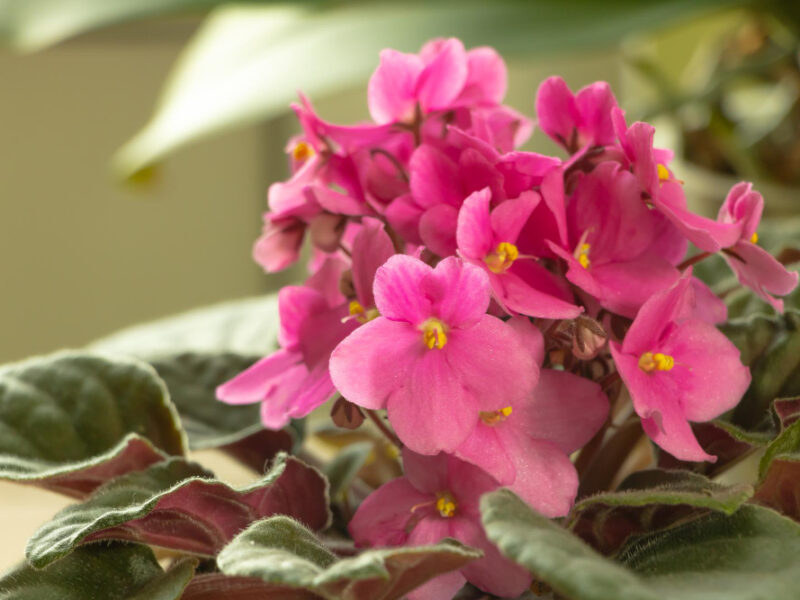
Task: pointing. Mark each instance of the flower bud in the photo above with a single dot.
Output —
(588, 338)
(346, 415)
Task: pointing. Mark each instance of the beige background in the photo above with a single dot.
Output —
(82, 256)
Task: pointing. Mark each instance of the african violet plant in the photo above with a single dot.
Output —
(505, 330)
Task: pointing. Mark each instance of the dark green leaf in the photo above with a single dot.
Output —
(70, 421)
(750, 555)
(346, 465)
(105, 571)
(176, 504)
(247, 63)
(779, 470)
(281, 551)
(649, 501)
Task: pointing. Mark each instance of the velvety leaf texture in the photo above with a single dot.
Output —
(779, 470)
(749, 555)
(283, 552)
(650, 501)
(177, 505)
(214, 586)
(71, 421)
(105, 571)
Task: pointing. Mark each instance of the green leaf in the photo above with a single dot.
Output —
(248, 327)
(247, 63)
(346, 465)
(281, 551)
(779, 470)
(649, 501)
(213, 586)
(770, 346)
(70, 421)
(750, 555)
(106, 571)
(176, 504)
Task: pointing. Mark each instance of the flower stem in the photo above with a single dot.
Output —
(390, 435)
(693, 260)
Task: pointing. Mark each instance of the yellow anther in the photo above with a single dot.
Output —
(582, 254)
(494, 417)
(502, 257)
(446, 505)
(361, 315)
(434, 333)
(649, 362)
(754, 238)
(302, 151)
(663, 173)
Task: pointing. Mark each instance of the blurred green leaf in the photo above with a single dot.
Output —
(104, 571)
(281, 551)
(247, 63)
(750, 555)
(346, 465)
(779, 470)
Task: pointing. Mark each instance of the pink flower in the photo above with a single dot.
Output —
(678, 368)
(754, 267)
(434, 359)
(438, 498)
(576, 121)
(620, 251)
(488, 240)
(526, 446)
(294, 380)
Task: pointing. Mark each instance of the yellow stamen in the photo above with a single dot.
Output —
(496, 416)
(663, 173)
(434, 333)
(302, 151)
(446, 505)
(362, 315)
(582, 254)
(502, 257)
(754, 238)
(649, 362)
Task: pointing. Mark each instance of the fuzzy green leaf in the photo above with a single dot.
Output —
(281, 551)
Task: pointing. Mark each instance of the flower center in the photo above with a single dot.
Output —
(754, 238)
(446, 505)
(302, 151)
(361, 314)
(582, 254)
(434, 333)
(502, 257)
(496, 416)
(649, 362)
(663, 173)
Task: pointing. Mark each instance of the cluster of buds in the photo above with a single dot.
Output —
(484, 296)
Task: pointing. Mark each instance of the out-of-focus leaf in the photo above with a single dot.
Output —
(650, 501)
(750, 555)
(779, 470)
(214, 586)
(71, 421)
(281, 551)
(176, 504)
(106, 571)
(346, 465)
(770, 346)
(247, 63)
(247, 327)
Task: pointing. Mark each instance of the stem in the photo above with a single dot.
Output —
(390, 435)
(693, 260)
(602, 470)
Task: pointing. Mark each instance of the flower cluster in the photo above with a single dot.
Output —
(468, 288)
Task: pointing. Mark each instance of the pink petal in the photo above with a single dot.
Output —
(509, 217)
(296, 303)
(372, 247)
(556, 110)
(486, 77)
(484, 448)
(426, 473)
(253, 384)
(708, 306)
(532, 338)
(374, 361)
(625, 286)
(712, 376)
(280, 404)
(443, 586)
(383, 517)
(434, 178)
(397, 289)
(565, 409)
(444, 77)
(437, 228)
(594, 103)
(391, 91)
(519, 296)
(744, 206)
(460, 292)
(279, 245)
(761, 272)
(474, 227)
(403, 215)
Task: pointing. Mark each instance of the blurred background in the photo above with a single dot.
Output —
(138, 137)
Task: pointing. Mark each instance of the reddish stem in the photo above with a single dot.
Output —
(390, 435)
(693, 260)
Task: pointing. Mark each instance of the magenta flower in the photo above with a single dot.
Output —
(678, 368)
(434, 359)
(526, 446)
(294, 380)
(577, 120)
(488, 240)
(754, 267)
(438, 498)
